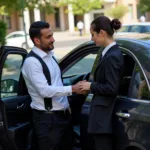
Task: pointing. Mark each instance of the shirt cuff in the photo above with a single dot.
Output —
(68, 90)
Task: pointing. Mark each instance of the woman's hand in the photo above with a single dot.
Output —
(85, 86)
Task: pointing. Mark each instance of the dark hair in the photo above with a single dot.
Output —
(104, 23)
(35, 29)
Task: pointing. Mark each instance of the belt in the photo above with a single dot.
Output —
(57, 112)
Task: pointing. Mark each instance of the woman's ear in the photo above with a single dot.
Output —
(102, 32)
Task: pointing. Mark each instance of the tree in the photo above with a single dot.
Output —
(144, 6)
(3, 29)
(19, 5)
(118, 11)
(81, 7)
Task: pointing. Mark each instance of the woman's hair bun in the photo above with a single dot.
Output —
(116, 24)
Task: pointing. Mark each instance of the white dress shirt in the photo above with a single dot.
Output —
(107, 48)
(37, 84)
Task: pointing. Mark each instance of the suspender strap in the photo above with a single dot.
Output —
(47, 101)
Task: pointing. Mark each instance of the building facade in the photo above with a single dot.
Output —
(61, 21)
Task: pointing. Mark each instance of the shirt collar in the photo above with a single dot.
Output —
(107, 48)
(41, 53)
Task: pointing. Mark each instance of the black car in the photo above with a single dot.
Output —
(131, 116)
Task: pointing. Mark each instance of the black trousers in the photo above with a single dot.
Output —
(103, 142)
(53, 131)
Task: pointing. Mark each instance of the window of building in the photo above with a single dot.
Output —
(42, 15)
(7, 20)
(31, 13)
(57, 18)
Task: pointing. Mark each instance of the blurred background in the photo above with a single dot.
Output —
(64, 16)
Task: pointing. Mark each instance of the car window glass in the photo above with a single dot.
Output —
(19, 35)
(124, 29)
(135, 29)
(129, 64)
(147, 28)
(139, 87)
(83, 66)
(10, 75)
(12, 36)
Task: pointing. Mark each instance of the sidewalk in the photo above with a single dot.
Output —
(66, 41)
(67, 36)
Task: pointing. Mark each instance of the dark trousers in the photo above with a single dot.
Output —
(80, 31)
(53, 131)
(103, 142)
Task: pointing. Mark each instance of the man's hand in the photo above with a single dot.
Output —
(77, 89)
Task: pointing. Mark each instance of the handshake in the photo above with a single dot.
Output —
(81, 87)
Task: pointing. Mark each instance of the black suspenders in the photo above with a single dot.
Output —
(47, 101)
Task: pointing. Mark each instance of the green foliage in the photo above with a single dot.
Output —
(144, 5)
(2, 11)
(19, 5)
(81, 7)
(3, 29)
(117, 12)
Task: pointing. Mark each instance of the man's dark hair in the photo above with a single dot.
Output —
(35, 29)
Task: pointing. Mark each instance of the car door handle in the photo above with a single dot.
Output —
(21, 106)
(123, 115)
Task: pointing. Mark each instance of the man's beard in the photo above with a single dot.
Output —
(46, 49)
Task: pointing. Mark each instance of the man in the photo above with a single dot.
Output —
(51, 113)
(80, 26)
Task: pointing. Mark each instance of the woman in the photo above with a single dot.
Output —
(106, 81)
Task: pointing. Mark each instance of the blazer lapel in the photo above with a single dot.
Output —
(102, 59)
(98, 65)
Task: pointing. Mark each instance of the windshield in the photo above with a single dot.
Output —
(124, 29)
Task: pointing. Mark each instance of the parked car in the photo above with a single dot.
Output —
(17, 39)
(140, 27)
(131, 116)
(136, 30)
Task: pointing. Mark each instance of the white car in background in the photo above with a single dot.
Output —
(17, 39)
(134, 30)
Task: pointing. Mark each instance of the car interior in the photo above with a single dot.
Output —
(129, 64)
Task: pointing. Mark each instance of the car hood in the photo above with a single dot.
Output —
(132, 35)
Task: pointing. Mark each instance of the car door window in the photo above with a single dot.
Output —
(129, 64)
(12, 36)
(83, 66)
(10, 75)
(19, 35)
(136, 29)
(124, 29)
(139, 87)
(146, 28)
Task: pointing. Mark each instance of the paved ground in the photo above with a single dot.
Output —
(66, 41)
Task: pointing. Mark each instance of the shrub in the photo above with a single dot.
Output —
(3, 29)
(118, 11)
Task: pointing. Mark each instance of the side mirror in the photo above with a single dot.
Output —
(9, 86)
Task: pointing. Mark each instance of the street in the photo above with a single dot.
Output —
(65, 42)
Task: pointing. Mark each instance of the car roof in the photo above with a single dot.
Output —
(15, 32)
(138, 23)
(139, 48)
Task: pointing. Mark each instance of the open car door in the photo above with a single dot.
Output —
(15, 111)
(77, 66)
